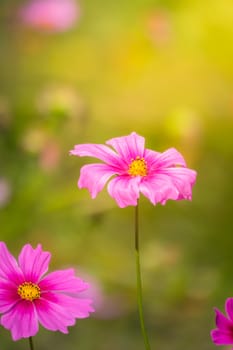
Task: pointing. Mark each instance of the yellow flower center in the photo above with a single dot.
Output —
(137, 167)
(29, 291)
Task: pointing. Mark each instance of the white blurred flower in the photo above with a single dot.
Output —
(61, 100)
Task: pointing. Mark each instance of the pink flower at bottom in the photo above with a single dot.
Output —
(28, 298)
(158, 176)
(223, 334)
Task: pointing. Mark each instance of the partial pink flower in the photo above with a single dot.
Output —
(29, 298)
(223, 334)
(50, 15)
(158, 176)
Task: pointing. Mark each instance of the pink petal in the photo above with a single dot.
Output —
(52, 316)
(94, 177)
(9, 268)
(151, 157)
(222, 322)
(56, 311)
(102, 152)
(63, 281)
(158, 189)
(183, 179)
(128, 147)
(125, 190)
(8, 295)
(221, 338)
(33, 262)
(229, 308)
(21, 320)
(169, 158)
(75, 306)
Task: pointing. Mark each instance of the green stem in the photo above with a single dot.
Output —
(139, 283)
(31, 343)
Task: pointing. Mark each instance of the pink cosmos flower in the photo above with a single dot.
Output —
(223, 334)
(158, 176)
(50, 15)
(28, 298)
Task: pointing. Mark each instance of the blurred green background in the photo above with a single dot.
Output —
(160, 68)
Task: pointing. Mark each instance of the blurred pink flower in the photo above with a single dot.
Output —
(50, 156)
(50, 15)
(223, 335)
(106, 306)
(28, 298)
(158, 176)
(159, 26)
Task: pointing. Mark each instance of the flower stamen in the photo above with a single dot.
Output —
(29, 291)
(138, 167)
